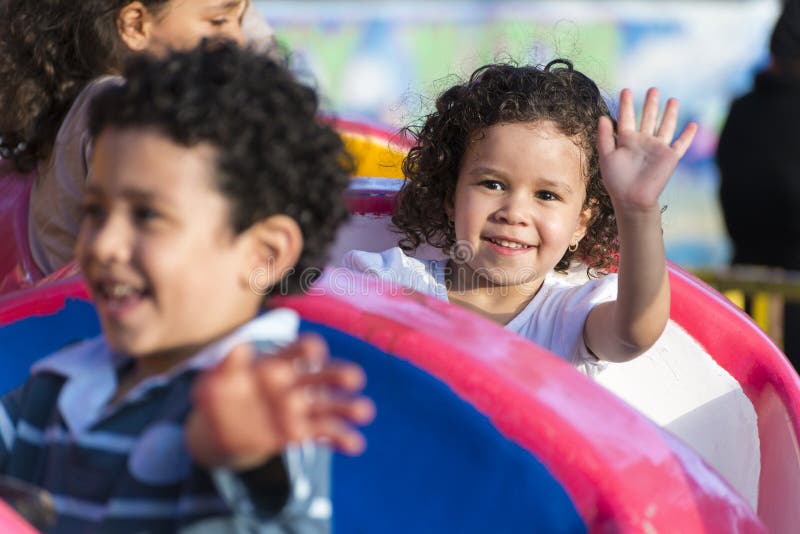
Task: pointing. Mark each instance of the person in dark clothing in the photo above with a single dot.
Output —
(759, 163)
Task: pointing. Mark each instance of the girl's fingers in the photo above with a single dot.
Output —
(605, 137)
(681, 144)
(626, 120)
(650, 112)
(669, 121)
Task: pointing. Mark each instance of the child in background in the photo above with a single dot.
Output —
(202, 168)
(518, 173)
(54, 57)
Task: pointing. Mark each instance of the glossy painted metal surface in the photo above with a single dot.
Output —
(676, 384)
(434, 463)
(12, 523)
(769, 381)
(48, 300)
(384, 136)
(469, 465)
(371, 195)
(17, 268)
(732, 340)
(376, 150)
(623, 473)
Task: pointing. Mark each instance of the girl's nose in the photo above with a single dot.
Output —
(514, 210)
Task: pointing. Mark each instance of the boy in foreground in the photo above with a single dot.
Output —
(208, 167)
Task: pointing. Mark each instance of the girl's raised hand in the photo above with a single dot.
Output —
(637, 165)
(248, 409)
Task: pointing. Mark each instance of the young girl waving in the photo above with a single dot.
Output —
(519, 173)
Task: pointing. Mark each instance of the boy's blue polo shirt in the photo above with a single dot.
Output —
(124, 467)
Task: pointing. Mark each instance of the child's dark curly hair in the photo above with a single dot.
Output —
(504, 93)
(274, 156)
(49, 51)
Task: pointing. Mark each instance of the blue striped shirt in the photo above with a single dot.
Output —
(124, 467)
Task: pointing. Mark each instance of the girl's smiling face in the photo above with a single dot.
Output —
(180, 24)
(183, 23)
(518, 203)
(162, 263)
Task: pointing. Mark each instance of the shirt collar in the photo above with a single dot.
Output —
(91, 367)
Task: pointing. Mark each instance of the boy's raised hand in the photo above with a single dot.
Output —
(248, 409)
(637, 165)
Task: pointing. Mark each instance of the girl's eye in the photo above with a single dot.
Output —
(219, 22)
(494, 185)
(547, 195)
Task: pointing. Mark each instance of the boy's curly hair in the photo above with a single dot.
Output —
(49, 51)
(273, 155)
(504, 93)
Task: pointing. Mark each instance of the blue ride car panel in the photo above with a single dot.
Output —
(434, 463)
(25, 341)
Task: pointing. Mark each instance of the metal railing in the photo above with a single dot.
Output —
(761, 292)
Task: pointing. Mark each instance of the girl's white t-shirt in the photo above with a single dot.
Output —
(553, 319)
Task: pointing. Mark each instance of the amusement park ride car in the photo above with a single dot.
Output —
(479, 430)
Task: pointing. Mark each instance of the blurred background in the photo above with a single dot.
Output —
(383, 61)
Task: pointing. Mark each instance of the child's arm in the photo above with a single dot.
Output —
(635, 168)
(248, 409)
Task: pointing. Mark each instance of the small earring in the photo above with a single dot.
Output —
(573, 247)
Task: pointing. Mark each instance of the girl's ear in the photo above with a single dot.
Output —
(583, 225)
(273, 247)
(133, 26)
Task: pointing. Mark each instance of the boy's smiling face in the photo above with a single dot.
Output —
(518, 203)
(164, 267)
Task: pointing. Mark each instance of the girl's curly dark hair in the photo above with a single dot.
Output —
(49, 51)
(273, 155)
(504, 93)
